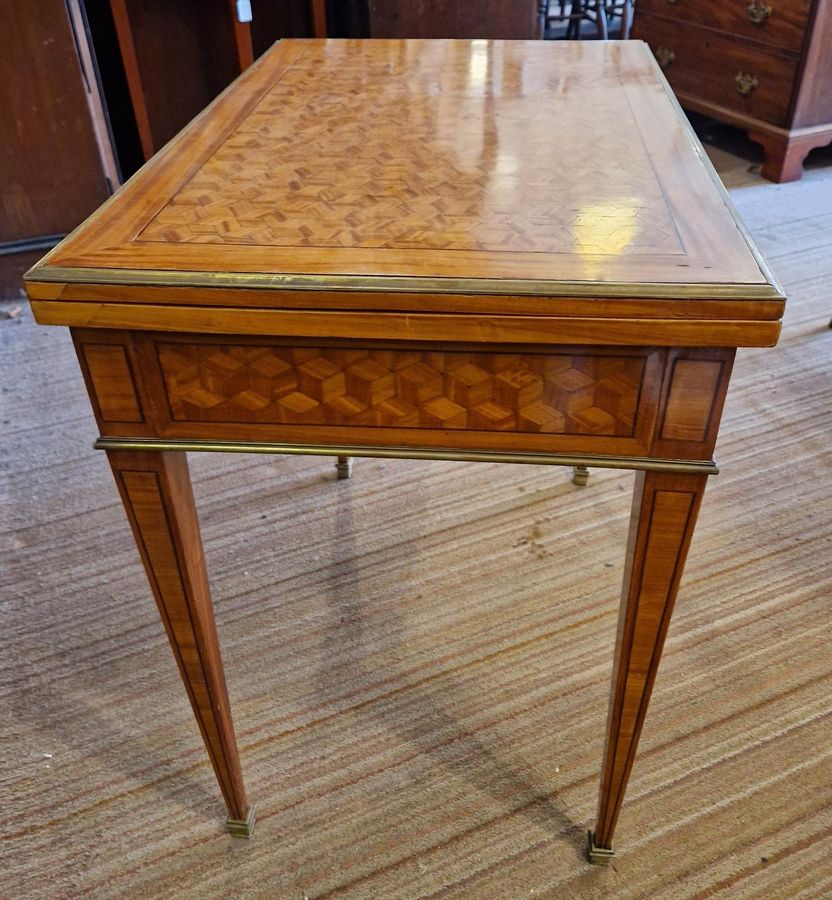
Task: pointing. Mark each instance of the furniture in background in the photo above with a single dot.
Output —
(623, 10)
(505, 19)
(179, 56)
(294, 292)
(764, 65)
(57, 162)
(70, 73)
(597, 12)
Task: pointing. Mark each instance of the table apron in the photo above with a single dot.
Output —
(644, 407)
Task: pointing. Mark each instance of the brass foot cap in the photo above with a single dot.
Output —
(344, 468)
(580, 475)
(599, 856)
(242, 828)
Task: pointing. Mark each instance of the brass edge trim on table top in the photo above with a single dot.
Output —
(682, 466)
(406, 284)
(42, 271)
(768, 274)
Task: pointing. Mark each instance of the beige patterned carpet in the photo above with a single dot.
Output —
(419, 658)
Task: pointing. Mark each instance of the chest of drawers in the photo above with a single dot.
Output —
(763, 65)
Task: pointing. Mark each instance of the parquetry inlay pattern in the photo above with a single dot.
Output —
(348, 156)
(548, 393)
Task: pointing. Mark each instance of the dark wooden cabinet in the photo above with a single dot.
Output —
(179, 56)
(298, 18)
(494, 19)
(764, 65)
(57, 162)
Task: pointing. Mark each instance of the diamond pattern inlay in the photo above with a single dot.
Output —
(554, 393)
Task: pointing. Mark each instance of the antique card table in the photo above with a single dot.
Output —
(461, 250)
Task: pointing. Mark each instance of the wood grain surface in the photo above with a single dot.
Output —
(507, 19)
(197, 45)
(156, 491)
(764, 67)
(243, 296)
(663, 517)
(432, 160)
(417, 327)
(784, 27)
(50, 97)
(112, 385)
(707, 62)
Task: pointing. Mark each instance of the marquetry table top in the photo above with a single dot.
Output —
(445, 167)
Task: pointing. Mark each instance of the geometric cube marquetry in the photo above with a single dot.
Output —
(321, 379)
(369, 381)
(419, 383)
(517, 387)
(323, 171)
(547, 393)
(469, 385)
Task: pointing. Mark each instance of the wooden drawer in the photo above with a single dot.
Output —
(532, 399)
(706, 65)
(630, 401)
(575, 391)
(784, 26)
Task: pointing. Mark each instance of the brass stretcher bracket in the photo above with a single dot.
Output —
(577, 461)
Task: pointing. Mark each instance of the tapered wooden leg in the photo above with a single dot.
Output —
(664, 513)
(157, 495)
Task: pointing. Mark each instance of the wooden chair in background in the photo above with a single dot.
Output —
(598, 12)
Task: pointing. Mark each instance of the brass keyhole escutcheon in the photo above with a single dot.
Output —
(746, 83)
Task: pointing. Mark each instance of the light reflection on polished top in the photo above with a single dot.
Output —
(436, 145)
(509, 161)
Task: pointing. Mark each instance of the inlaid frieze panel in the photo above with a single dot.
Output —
(547, 392)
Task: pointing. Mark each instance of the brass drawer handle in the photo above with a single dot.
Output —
(746, 83)
(664, 56)
(758, 12)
